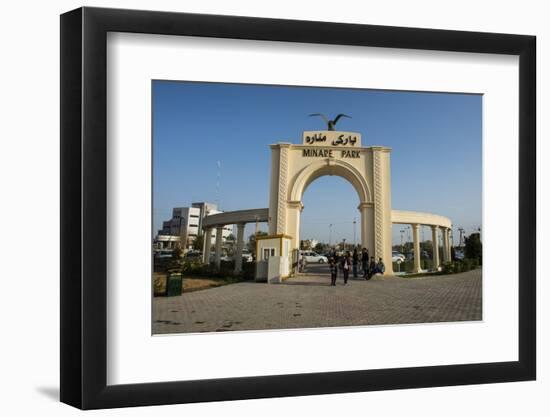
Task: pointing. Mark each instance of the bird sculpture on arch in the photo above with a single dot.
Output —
(330, 123)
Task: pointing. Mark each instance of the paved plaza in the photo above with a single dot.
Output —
(310, 301)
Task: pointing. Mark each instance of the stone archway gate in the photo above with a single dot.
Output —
(367, 168)
(295, 166)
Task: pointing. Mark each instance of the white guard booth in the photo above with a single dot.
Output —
(274, 258)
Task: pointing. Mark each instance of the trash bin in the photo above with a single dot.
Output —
(174, 284)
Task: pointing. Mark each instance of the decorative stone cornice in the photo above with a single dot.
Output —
(280, 145)
(295, 204)
(365, 205)
(380, 148)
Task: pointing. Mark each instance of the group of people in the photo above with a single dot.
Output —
(351, 262)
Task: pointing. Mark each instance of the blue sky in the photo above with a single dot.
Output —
(436, 141)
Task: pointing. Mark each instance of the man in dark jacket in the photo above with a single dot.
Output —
(365, 262)
(333, 271)
(355, 262)
(372, 268)
(345, 264)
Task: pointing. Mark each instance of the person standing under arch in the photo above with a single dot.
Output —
(333, 271)
(365, 262)
(345, 264)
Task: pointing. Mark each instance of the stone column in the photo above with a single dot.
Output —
(435, 244)
(367, 226)
(206, 246)
(444, 234)
(446, 255)
(416, 247)
(239, 251)
(294, 211)
(218, 254)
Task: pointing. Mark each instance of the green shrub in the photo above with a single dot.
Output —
(448, 268)
(473, 247)
(406, 266)
(459, 266)
(249, 270)
(197, 269)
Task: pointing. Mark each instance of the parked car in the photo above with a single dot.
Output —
(423, 255)
(192, 256)
(223, 257)
(313, 257)
(247, 256)
(397, 257)
(164, 253)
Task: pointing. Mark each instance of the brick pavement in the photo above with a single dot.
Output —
(309, 301)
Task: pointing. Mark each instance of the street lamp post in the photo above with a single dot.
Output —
(329, 234)
(354, 241)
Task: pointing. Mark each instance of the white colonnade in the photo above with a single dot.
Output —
(437, 223)
(219, 221)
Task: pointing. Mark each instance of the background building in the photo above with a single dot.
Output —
(186, 224)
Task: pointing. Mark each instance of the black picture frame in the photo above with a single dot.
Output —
(84, 207)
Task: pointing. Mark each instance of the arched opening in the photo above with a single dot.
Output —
(331, 212)
(330, 216)
(330, 167)
(338, 169)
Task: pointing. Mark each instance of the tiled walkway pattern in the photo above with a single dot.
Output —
(309, 301)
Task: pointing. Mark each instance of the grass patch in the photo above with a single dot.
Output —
(191, 284)
(432, 274)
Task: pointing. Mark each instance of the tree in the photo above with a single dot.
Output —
(473, 248)
(198, 243)
(177, 252)
(407, 247)
(321, 247)
(427, 246)
(251, 244)
(230, 244)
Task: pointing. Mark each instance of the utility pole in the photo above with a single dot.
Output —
(461, 231)
(329, 234)
(402, 232)
(218, 180)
